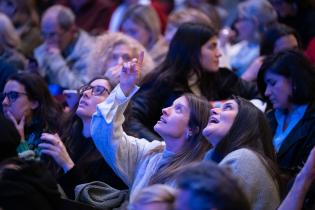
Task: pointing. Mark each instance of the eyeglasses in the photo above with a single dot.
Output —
(12, 96)
(96, 90)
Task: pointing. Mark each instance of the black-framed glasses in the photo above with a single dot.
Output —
(11, 95)
(97, 90)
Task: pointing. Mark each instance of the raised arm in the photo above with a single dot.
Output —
(122, 152)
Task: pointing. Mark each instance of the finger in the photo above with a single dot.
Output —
(141, 57)
(49, 152)
(11, 117)
(49, 138)
(22, 121)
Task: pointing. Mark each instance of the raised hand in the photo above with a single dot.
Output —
(53, 146)
(130, 74)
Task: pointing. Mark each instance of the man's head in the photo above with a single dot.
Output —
(58, 26)
(206, 186)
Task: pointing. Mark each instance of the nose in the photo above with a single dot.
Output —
(218, 53)
(165, 111)
(267, 91)
(5, 101)
(215, 111)
(87, 93)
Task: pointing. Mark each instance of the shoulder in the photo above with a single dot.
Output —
(241, 159)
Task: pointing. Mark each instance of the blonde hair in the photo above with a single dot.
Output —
(105, 45)
(188, 15)
(146, 16)
(8, 34)
(154, 193)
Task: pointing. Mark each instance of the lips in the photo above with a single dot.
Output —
(83, 103)
(213, 120)
(162, 120)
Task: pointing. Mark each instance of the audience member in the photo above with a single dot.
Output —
(28, 104)
(287, 80)
(75, 151)
(185, 15)
(191, 65)
(205, 186)
(138, 162)
(142, 23)
(26, 21)
(275, 39)
(242, 140)
(9, 42)
(28, 185)
(64, 58)
(253, 18)
(155, 197)
(114, 48)
(91, 15)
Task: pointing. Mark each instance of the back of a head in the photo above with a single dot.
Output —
(207, 186)
(157, 193)
(27, 185)
(188, 15)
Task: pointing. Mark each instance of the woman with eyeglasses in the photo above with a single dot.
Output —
(74, 150)
(26, 101)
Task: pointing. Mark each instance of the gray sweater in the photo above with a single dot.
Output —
(259, 186)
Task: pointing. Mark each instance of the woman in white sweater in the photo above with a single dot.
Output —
(242, 139)
(138, 162)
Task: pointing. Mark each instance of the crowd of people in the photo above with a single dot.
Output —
(157, 104)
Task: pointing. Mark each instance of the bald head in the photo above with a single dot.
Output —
(58, 26)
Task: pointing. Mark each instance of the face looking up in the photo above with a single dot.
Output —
(173, 123)
(210, 55)
(16, 101)
(278, 90)
(91, 95)
(220, 122)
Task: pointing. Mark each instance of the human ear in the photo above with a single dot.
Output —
(34, 104)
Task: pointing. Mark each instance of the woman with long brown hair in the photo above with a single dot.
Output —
(140, 163)
(242, 139)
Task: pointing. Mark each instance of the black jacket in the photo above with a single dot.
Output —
(298, 144)
(89, 166)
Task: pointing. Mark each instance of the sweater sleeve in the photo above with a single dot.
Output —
(122, 152)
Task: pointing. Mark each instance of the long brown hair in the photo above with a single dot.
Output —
(195, 146)
(258, 137)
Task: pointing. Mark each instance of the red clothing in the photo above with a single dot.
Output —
(93, 17)
(310, 51)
